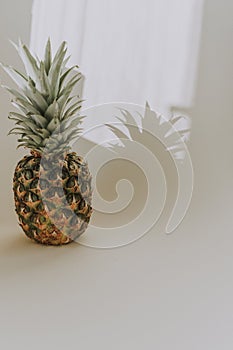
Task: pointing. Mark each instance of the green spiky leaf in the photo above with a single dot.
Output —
(46, 107)
(15, 75)
(48, 56)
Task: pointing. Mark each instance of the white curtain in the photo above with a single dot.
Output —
(128, 50)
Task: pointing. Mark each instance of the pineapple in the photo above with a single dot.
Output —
(52, 185)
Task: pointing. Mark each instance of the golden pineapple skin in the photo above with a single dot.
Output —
(53, 207)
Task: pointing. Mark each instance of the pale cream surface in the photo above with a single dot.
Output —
(161, 292)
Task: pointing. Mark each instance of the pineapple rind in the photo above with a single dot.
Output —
(36, 201)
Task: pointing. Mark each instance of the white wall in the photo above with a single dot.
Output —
(162, 292)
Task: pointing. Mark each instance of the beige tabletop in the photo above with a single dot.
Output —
(162, 291)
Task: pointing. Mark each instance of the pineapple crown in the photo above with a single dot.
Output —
(48, 111)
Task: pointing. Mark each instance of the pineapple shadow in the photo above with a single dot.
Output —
(163, 139)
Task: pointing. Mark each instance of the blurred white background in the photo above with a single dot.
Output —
(162, 291)
(129, 51)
